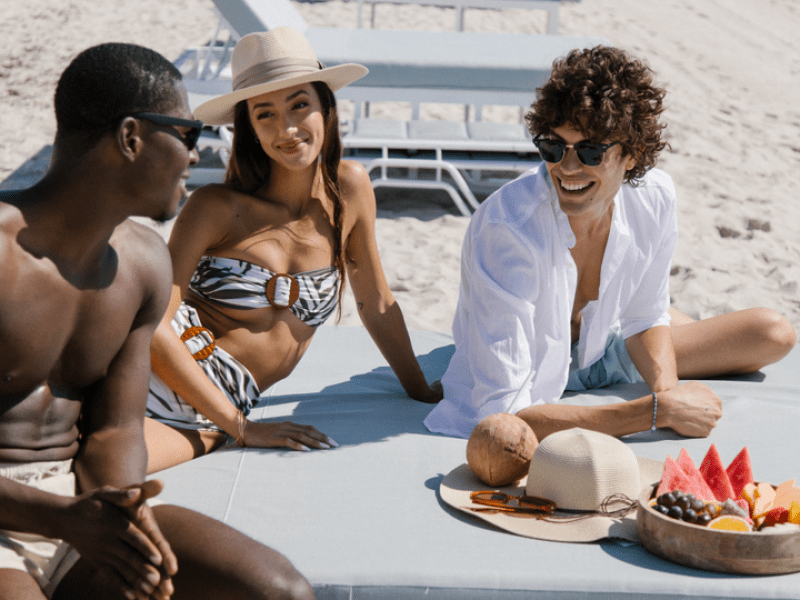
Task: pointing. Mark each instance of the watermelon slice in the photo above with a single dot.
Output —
(740, 472)
(686, 463)
(675, 478)
(714, 473)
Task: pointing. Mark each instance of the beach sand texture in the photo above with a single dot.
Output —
(733, 109)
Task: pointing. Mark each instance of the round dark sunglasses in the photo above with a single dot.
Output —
(189, 138)
(590, 153)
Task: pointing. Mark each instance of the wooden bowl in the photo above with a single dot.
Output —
(748, 552)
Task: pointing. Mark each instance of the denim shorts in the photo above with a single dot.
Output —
(614, 367)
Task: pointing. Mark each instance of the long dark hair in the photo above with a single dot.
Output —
(249, 166)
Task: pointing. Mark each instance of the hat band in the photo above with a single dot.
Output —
(272, 70)
(606, 509)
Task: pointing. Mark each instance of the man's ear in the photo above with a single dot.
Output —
(633, 158)
(129, 138)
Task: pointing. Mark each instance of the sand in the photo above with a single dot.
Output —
(733, 111)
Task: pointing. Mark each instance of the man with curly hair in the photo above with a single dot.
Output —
(83, 290)
(565, 275)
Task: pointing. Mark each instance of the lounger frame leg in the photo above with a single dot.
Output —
(438, 165)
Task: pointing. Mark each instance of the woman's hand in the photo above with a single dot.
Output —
(285, 434)
(432, 395)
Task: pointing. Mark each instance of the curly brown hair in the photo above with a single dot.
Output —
(607, 95)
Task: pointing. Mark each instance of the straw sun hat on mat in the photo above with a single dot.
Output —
(273, 60)
(577, 469)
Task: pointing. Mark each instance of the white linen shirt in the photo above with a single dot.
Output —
(518, 284)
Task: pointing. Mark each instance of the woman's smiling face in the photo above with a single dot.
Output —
(289, 125)
(583, 190)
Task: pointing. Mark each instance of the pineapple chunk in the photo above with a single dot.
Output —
(794, 512)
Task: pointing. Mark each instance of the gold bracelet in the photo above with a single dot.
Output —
(242, 421)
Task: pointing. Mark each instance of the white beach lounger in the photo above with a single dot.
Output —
(551, 6)
(457, 152)
(471, 69)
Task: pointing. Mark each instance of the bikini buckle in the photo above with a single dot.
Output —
(208, 349)
(282, 291)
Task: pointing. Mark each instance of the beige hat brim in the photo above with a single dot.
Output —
(220, 110)
(461, 481)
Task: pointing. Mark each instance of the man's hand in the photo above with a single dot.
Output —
(114, 529)
(691, 409)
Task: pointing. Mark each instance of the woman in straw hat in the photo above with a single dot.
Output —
(259, 261)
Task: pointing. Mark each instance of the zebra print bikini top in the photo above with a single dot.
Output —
(311, 295)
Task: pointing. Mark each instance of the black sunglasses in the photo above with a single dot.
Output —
(189, 138)
(590, 153)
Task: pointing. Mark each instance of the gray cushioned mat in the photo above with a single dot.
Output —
(365, 520)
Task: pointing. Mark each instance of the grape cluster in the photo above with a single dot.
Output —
(686, 507)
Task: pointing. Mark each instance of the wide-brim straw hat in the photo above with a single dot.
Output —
(272, 60)
(577, 469)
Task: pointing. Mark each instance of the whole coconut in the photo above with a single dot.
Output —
(500, 448)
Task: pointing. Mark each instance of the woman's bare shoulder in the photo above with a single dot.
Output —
(352, 172)
(212, 205)
(216, 195)
(355, 186)
(206, 219)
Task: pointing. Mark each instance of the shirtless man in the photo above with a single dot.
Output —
(565, 275)
(83, 290)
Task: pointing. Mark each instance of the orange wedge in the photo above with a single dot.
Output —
(730, 523)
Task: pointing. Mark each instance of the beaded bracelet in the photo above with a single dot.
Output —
(655, 411)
